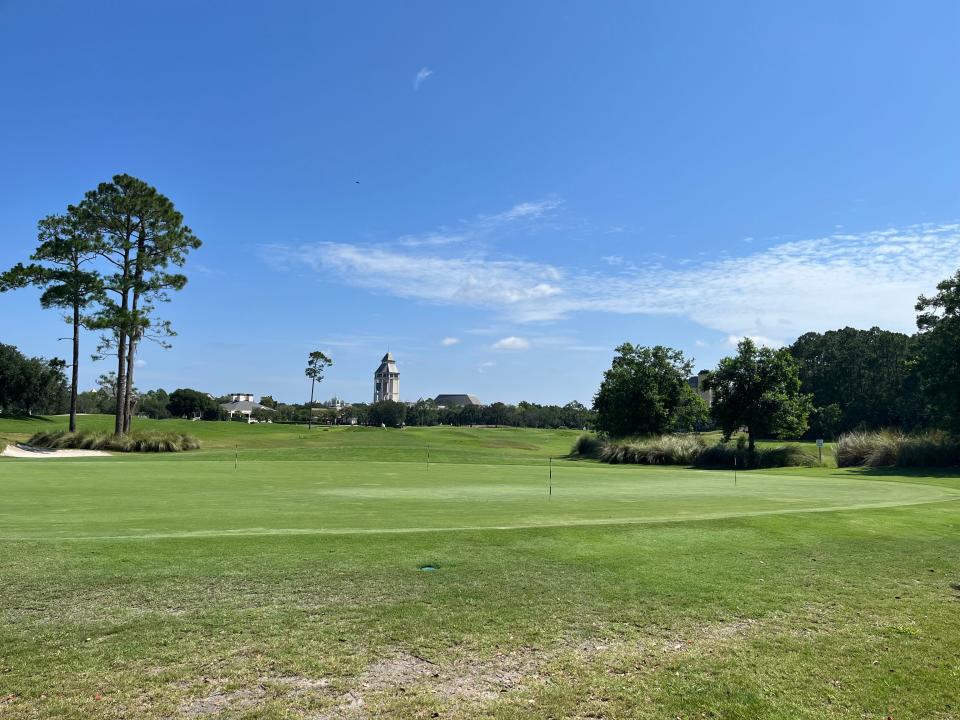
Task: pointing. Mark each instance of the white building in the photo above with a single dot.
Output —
(386, 380)
(242, 404)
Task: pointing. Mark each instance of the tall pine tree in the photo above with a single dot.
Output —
(62, 267)
(145, 239)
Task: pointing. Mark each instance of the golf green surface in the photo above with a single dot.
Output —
(281, 573)
(67, 499)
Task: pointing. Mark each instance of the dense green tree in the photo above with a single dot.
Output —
(261, 415)
(142, 238)
(317, 362)
(101, 401)
(189, 403)
(645, 391)
(89, 403)
(826, 421)
(497, 414)
(31, 385)
(153, 404)
(938, 320)
(387, 412)
(268, 401)
(868, 374)
(577, 415)
(62, 268)
(422, 413)
(759, 389)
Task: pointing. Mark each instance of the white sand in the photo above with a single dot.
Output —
(23, 451)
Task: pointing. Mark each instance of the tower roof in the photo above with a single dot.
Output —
(387, 365)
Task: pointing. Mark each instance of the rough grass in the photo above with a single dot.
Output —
(690, 450)
(145, 441)
(892, 448)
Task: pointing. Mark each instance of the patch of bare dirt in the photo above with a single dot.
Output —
(467, 682)
(222, 700)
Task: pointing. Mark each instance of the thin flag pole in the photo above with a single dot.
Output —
(734, 470)
(236, 456)
(551, 478)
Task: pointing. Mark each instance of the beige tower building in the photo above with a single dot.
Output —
(386, 380)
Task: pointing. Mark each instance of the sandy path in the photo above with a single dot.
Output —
(22, 451)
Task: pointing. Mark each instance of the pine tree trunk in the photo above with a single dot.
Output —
(121, 380)
(74, 374)
(135, 327)
(128, 391)
(310, 407)
(120, 420)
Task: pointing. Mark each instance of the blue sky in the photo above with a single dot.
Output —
(498, 193)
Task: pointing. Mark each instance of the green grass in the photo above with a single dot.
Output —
(289, 585)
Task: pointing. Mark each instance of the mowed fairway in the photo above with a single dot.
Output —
(277, 573)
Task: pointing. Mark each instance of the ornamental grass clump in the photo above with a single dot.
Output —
(588, 446)
(138, 441)
(658, 450)
(892, 448)
(728, 455)
(929, 449)
(690, 450)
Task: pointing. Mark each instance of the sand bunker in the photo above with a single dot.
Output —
(24, 451)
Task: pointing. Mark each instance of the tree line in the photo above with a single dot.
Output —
(822, 385)
(424, 413)
(186, 402)
(108, 262)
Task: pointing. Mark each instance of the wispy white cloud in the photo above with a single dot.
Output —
(422, 74)
(484, 366)
(512, 343)
(524, 210)
(449, 341)
(433, 239)
(524, 216)
(859, 279)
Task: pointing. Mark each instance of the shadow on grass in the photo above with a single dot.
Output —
(920, 472)
(23, 416)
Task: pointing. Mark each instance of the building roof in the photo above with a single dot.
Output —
(387, 365)
(455, 400)
(244, 406)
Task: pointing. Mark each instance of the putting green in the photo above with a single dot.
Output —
(115, 500)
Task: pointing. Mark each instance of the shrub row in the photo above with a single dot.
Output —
(689, 450)
(138, 441)
(891, 448)
(662, 450)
